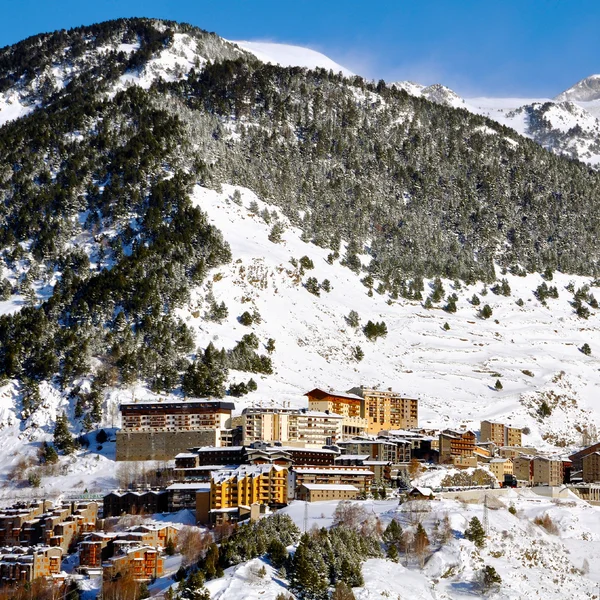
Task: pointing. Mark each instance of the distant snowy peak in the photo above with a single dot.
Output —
(438, 93)
(410, 87)
(291, 56)
(586, 90)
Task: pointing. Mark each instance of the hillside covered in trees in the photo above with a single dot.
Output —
(100, 238)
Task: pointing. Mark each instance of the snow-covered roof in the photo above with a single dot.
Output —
(329, 486)
(352, 457)
(243, 471)
(424, 491)
(336, 393)
(335, 471)
(186, 455)
(188, 486)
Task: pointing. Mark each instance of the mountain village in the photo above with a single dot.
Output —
(195, 232)
(226, 469)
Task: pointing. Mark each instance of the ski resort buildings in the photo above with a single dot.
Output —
(310, 428)
(367, 410)
(160, 430)
(500, 434)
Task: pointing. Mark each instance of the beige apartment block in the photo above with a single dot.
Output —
(501, 467)
(500, 434)
(547, 471)
(523, 468)
(293, 427)
(389, 410)
(160, 430)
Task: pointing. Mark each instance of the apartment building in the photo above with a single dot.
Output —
(360, 477)
(120, 502)
(43, 523)
(160, 430)
(387, 410)
(98, 547)
(501, 467)
(312, 492)
(456, 443)
(500, 434)
(243, 486)
(144, 563)
(547, 471)
(577, 458)
(591, 467)
(349, 405)
(291, 427)
(380, 449)
(24, 564)
(523, 468)
(14, 519)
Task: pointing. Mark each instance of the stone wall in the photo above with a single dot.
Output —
(161, 445)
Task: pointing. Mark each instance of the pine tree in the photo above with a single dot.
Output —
(475, 532)
(421, 543)
(170, 547)
(489, 578)
(63, 439)
(342, 592)
(48, 454)
(485, 312)
(393, 533)
(392, 553)
(87, 422)
(498, 385)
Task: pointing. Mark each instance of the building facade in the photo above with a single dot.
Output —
(291, 427)
(456, 443)
(359, 477)
(23, 565)
(244, 486)
(387, 410)
(350, 406)
(161, 430)
(323, 492)
(591, 467)
(547, 471)
(500, 434)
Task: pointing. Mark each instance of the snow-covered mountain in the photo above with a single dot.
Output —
(568, 124)
(586, 90)
(110, 215)
(287, 55)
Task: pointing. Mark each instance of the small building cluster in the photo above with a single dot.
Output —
(137, 551)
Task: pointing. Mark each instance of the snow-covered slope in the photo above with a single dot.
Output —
(533, 349)
(531, 561)
(291, 56)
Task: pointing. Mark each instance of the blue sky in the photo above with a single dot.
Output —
(524, 48)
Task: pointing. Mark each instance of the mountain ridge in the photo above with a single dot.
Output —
(134, 196)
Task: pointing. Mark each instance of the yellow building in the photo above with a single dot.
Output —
(389, 410)
(501, 467)
(244, 486)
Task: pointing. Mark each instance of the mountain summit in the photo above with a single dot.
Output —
(586, 90)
